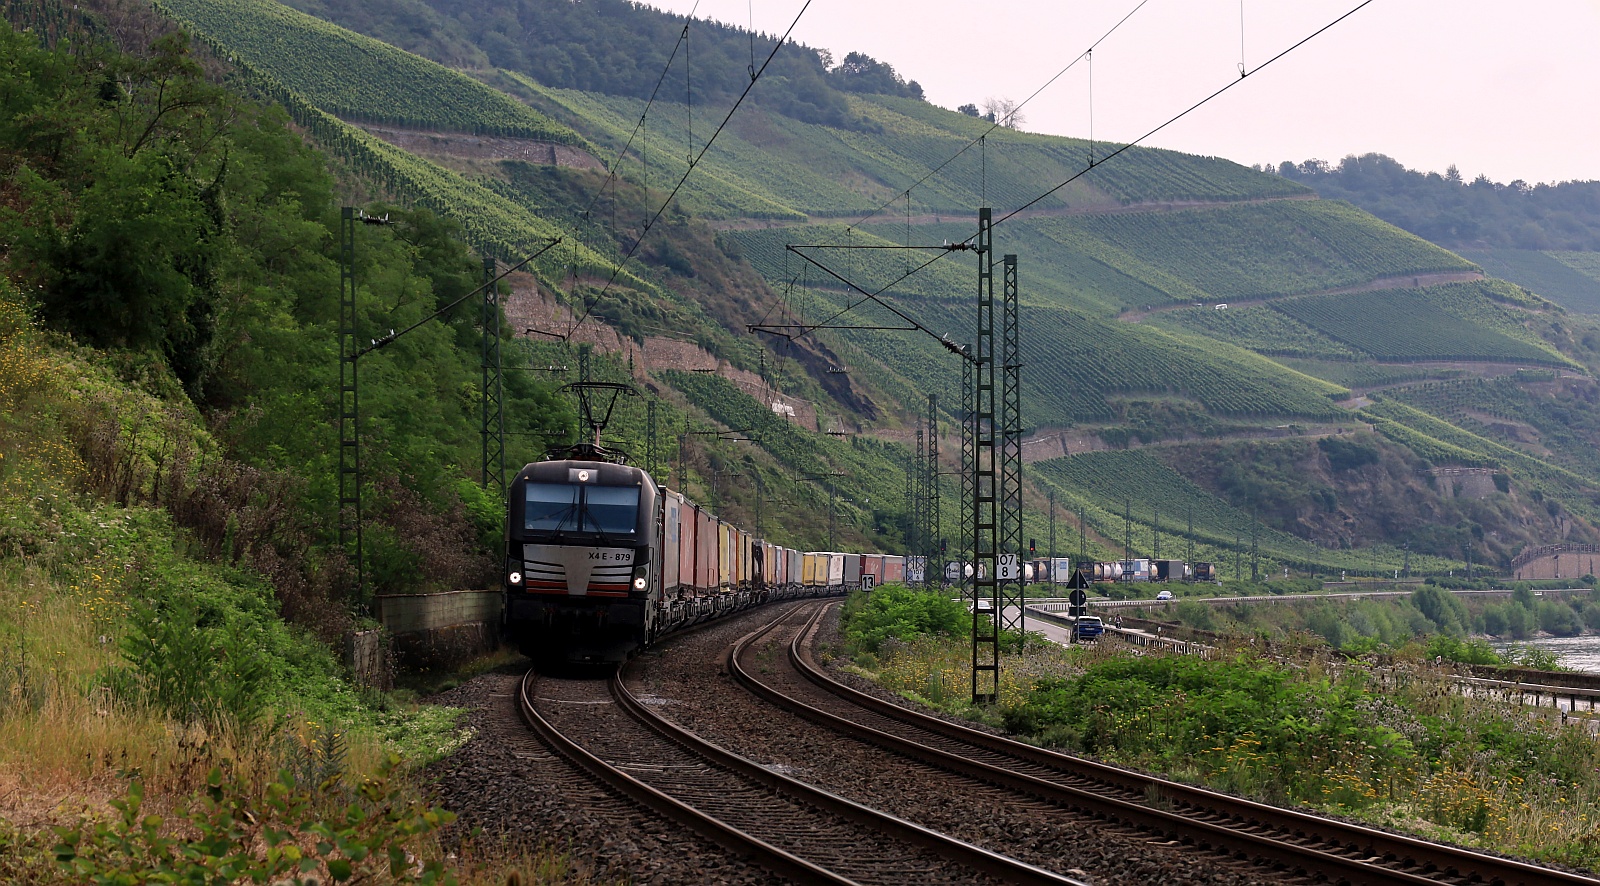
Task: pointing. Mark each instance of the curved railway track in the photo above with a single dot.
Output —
(1292, 842)
(792, 829)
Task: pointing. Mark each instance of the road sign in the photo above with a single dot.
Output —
(1008, 567)
(1078, 597)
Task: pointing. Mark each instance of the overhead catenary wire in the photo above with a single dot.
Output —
(694, 161)
(998, 122)
(613, 169)
(981, 139)
(876, 296)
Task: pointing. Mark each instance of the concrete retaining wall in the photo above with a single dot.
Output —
(440, 630)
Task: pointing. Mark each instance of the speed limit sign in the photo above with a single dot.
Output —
(1008, 567)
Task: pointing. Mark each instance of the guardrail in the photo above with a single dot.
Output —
(1051, 612)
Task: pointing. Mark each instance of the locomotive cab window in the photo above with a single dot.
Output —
(563, 507)
(613, 510)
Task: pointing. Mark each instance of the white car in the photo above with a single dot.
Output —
(1164, 595)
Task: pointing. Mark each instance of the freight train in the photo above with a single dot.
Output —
(600, 561)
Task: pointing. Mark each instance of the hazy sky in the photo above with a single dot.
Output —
(1508, 89)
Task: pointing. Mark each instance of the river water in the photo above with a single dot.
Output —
(1578, 653)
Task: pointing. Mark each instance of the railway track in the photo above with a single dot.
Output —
(792, 829)
(1294, 843)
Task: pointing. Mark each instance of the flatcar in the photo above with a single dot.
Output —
(600, 561)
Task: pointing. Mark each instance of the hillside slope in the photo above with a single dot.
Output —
(1352, 298)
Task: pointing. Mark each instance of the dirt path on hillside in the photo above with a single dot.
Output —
(938, 218)
(1396, 281)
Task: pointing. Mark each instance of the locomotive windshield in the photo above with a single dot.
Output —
(579, 507)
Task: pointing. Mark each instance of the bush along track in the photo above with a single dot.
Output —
(1395, 746)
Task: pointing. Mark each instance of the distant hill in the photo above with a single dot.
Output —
(1544, 237)
(1455, 213)
(618, 48)
(1122, 271)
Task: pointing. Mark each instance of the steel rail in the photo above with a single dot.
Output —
(740, 841)
(951, 849)
(728, 837)
(1428, 862)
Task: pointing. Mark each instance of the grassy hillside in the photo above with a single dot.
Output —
(1190, 372)
(1108, 262)
(1455, 322)
(768, 165)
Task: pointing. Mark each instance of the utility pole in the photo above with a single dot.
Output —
(350, 521)
(919, 528)
(650, 437)
(1190, 561)
(493, 388)
(913, 523)
(1052, 555)
(932, 516)
(1156, 528)
(760, 495)
(683, 447)
(1255, 553)
(1013, 604)
(1083, 535)
(828, 478)
(1127, 530)
(985, 491)
(833, 515)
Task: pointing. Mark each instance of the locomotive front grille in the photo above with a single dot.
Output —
(577, 571)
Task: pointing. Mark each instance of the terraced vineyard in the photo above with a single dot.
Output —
(1110, 484)
(1075, 372)
(1437, 323)
(1442, 442)
(874, 470)
(770, 166)
(1505, 409)
(1137, 176)
(1545, 273)
(358, 78)
(1106, 263)
(1366, 374)
(1585, 263)
(1277, 248)
(1207, 255)
(1259, 328)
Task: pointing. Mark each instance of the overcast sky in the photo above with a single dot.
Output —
(1507, 89)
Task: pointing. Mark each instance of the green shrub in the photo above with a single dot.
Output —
(1246, 724)
(188, 671)
(1559, 619)
(900, 613)
(1197, 615)
(1455, 649)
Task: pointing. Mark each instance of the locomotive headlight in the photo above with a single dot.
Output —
(514, 578)
(638, 583)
